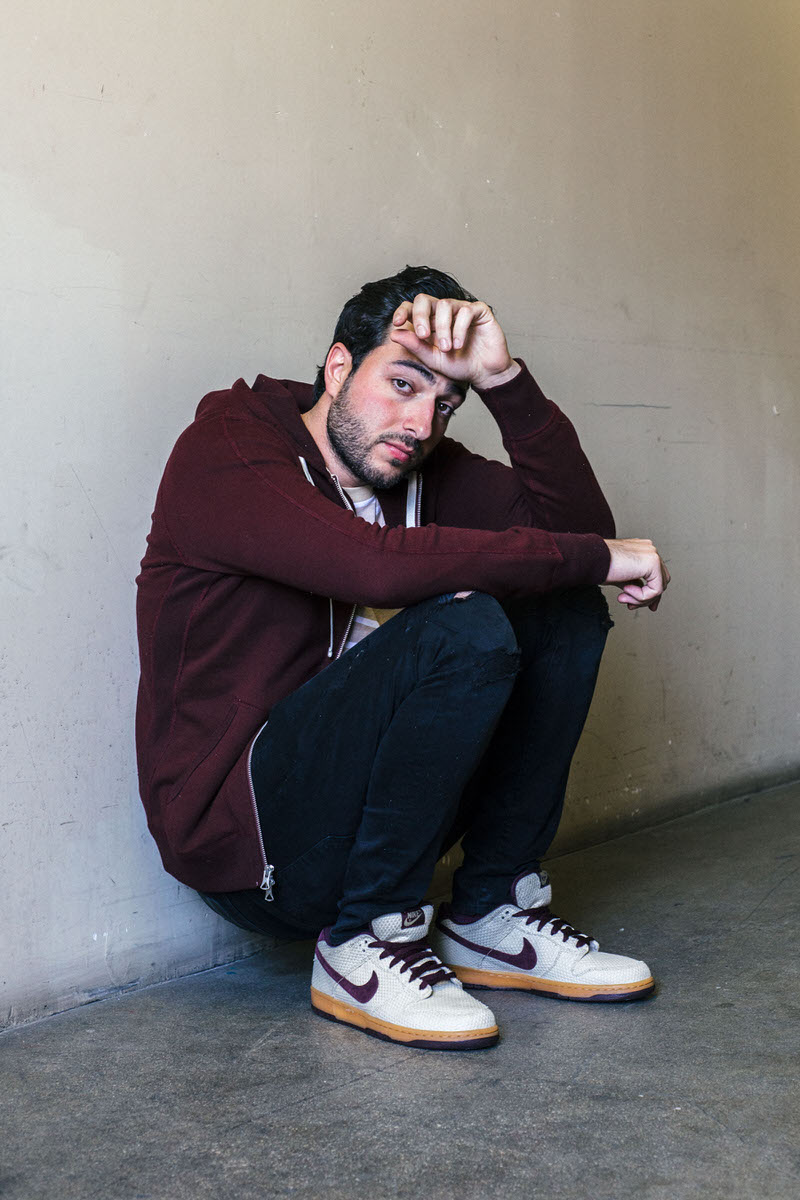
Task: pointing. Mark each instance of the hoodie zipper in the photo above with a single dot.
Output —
(354, 609)
(268, 876)
(414, 522)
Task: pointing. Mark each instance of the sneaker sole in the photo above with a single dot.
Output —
(423, 1039)
(606, 993)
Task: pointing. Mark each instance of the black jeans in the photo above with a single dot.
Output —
(457, 717)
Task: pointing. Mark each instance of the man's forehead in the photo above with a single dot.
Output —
(395, 356)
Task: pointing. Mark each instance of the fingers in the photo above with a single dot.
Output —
(647, 590)
(421, 315)
(402, 314)
(635, 596)
(446, 321)
(633, 600)
(443, 323)
(458, 338)
(461, 325)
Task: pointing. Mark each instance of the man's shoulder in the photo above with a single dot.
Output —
(302, 394)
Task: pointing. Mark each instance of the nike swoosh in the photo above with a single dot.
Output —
(363, 992)
(525, 958)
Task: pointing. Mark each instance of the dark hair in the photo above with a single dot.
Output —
(365, 317)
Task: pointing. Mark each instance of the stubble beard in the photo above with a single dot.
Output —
(353, 445)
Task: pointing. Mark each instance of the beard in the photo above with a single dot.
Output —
(353, 444)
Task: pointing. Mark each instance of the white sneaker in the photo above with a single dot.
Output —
(389, 983)
(522, 945)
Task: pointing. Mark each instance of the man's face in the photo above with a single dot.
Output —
(389, 414)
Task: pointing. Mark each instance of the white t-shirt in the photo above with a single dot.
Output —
(366, 506)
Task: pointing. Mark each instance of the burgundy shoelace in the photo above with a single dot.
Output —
(543, 917)
(417, 958)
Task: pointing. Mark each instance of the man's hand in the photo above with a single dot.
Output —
(457, 338)
(639, 569)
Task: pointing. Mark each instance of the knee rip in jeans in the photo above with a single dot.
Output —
(490, 640)
(498, 664)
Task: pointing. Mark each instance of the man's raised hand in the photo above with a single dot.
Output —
(639, 570)
(458, 338)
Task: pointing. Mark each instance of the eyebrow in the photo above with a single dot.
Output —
(454, 387)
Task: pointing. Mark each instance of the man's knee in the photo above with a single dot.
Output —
(478, 625)
(581, 612)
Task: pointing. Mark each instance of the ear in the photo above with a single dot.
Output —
(337, 367)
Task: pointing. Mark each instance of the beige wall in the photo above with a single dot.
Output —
(190, 189)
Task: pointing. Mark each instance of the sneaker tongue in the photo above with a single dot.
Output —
(532, 891)
(407, 926)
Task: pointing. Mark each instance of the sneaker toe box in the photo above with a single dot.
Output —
(599, 967)
(449, 1009)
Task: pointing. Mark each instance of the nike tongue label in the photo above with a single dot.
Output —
(361, 992)
(412, 918)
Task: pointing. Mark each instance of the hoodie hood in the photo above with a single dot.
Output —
(279, 402)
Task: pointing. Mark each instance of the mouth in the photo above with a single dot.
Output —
(400, 452)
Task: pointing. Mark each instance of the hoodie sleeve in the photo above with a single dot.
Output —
(234, 500)
(550, 484)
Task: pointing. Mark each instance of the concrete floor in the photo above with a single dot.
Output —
(226, 1085)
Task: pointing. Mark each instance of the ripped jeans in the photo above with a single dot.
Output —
(459, 717)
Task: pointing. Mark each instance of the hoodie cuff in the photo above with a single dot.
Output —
(585, 559)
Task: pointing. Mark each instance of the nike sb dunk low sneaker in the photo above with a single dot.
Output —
(522, 945)
(388, 982)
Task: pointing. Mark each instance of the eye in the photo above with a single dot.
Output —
(445, 409)
(403, 386)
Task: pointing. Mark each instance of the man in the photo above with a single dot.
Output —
(359, 642)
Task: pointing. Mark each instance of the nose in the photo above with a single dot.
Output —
(418, 418)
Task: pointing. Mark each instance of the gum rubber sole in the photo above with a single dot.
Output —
(422, 1039)
(607, 993)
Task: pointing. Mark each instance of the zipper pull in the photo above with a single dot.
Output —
(267, 882)
(344, 499)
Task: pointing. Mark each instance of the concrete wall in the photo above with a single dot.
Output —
(190, 189)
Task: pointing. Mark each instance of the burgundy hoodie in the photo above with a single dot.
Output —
(254, 563)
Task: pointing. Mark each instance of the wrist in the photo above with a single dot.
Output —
(493, 379)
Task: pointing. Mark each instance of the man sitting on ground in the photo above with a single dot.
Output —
(360, 642)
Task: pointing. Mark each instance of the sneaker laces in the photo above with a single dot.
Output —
(544, 917)
(417, 958)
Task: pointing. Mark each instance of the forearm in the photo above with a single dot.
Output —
(224, 516)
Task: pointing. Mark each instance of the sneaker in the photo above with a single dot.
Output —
(388, 982)
(522, 945)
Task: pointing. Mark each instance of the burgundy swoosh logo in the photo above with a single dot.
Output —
(363, 992)
(525, 958)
